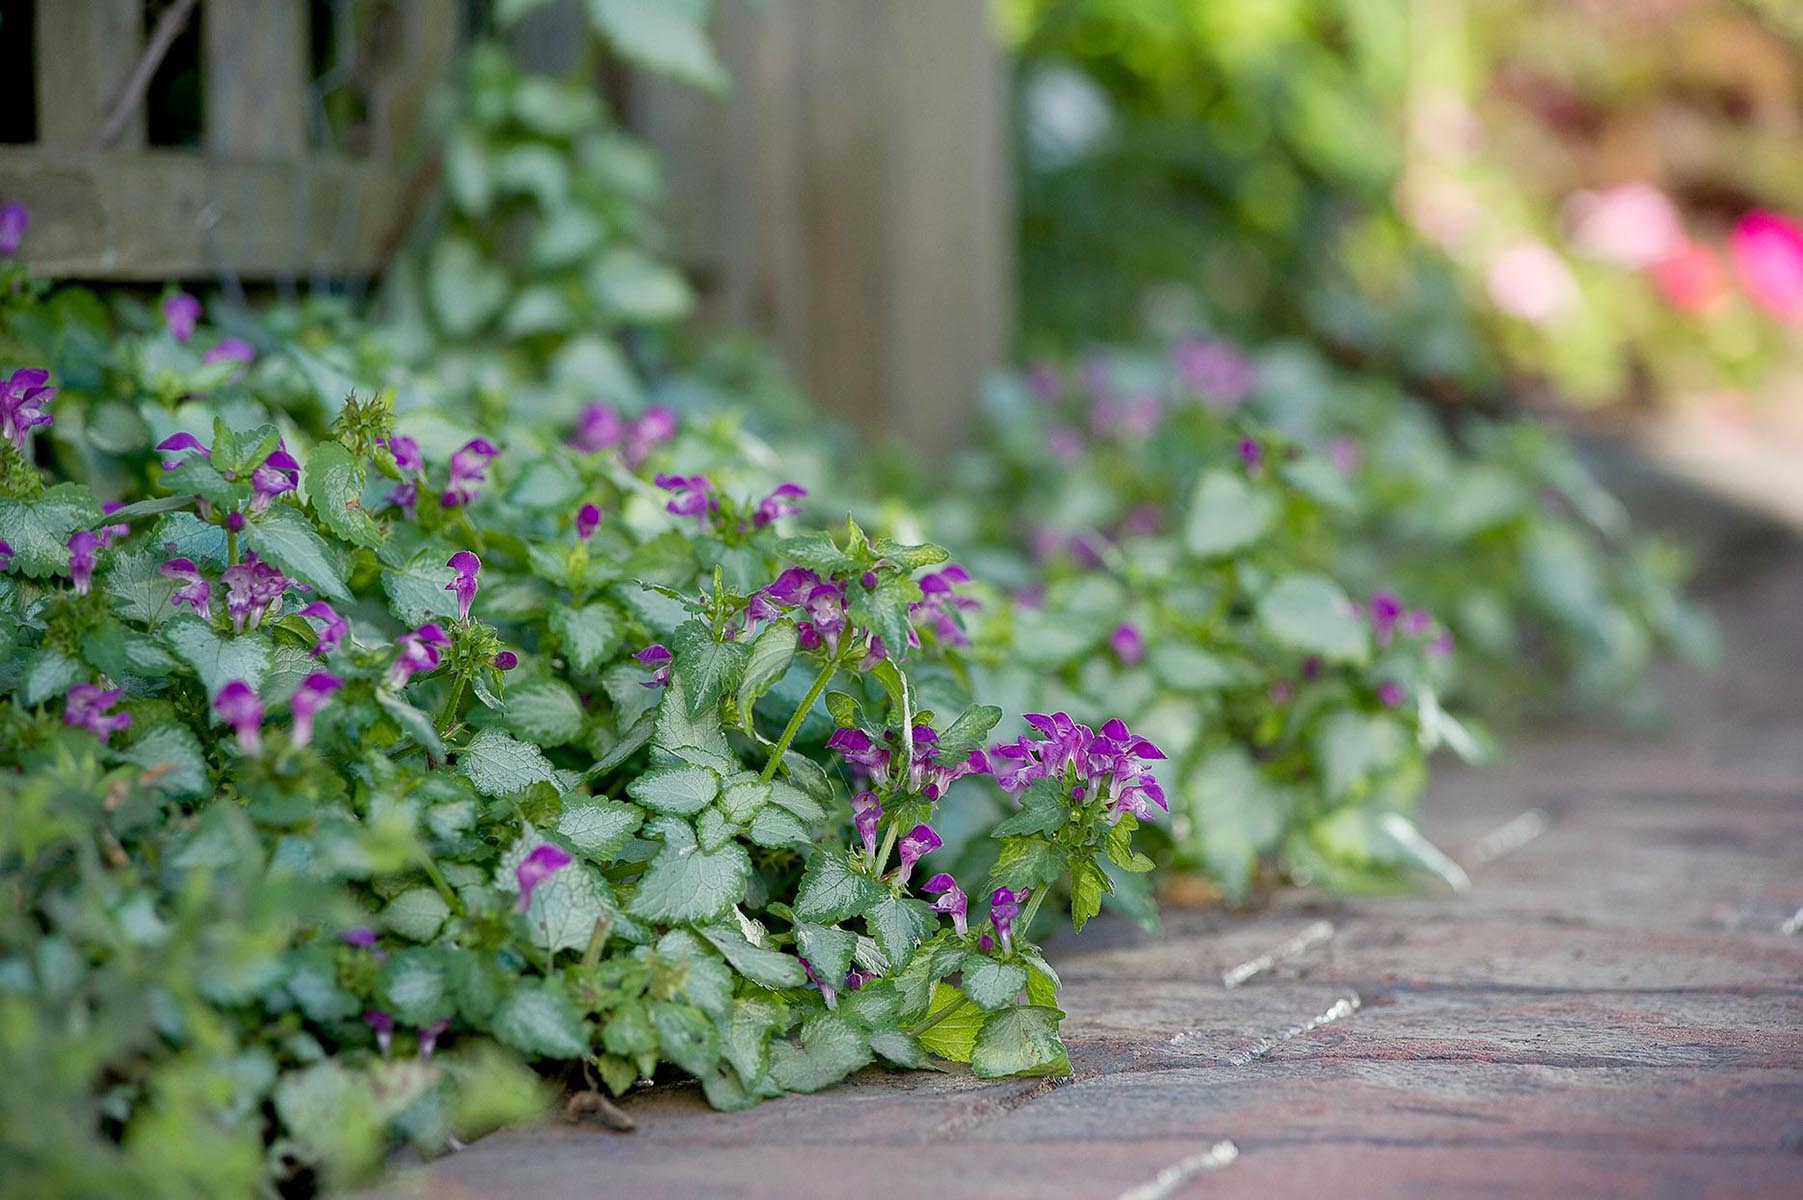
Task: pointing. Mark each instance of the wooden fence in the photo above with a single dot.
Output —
(849, 197)
(264, 190)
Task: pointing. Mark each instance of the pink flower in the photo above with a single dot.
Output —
(1127, 644)
(467, 566)
(82, 560)
(598, 428)
(952, 900)
(331, 630)
(181, 313)
(419, 652)
(22, 400)
(915, 845)
(778, 504)
(545, 861)
(1768, 257)
(238, 706)
(588, 519)
(658, 658)
(1529, 281)
(14, 220)
(195, 591)
(693, 496)
(1691, 278)
(653, 428)
(1630, 225)
(230, 350)
(866, 812)
(469, 466)
(85, 707)
(314, 691)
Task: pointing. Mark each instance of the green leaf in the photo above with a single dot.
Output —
(969, 732)
(1310, 613)
(38, 528)
(665, 35)
(500, 765)
(547, 711)
(1088, 886)
(684, 883)
(565, 906)
(286, 538)
(138, 590)
(775, 827)
(1027, 862)
(589, 635)
(772, 968)
(465, 288)
(831, 891)
(742, 800)
(952, 1037)
(539, 1019)
(416, 914)
(335, 490)
(746, 1040)
(1237, 814)
(899, 1048)
(414, 987)
(1120, 847)
(908, 558)
(412, 722)
(713, 829)
(990, 984)
(51, 674)
(1354, 747)
(1019, 1041)
(695, 739)
(815, 551)
(1044, 809)
(598, 829)
(770, 655)
(828, 1049)
(705, 665)
(899, 925)
(1227, 514)
(172, 752)
(685, 1036)
(828, 947)
(683, 791)
(217, 660)
(416, 592)
(805, 807)
(884, 608)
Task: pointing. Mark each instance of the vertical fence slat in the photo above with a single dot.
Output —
(424, 41)
(84, 52)
(256, 73)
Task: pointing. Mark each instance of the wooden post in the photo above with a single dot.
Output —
(255, 70)
(851, 199)
(84, 51)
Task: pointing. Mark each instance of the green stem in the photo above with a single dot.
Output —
(801, 714)
(444, 889)
(231, 546)
(449, 715)
(596, 938)
(882, 857)
(1026, 918)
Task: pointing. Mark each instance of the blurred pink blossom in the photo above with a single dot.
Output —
(1631, 225)
(1768, 257)
(1531, 282)
(1691, 278)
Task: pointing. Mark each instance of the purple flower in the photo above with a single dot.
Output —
(469, 466)
(693, 496)
(230, 350)
(274, 475)
(1281, 691)
(81, 560)
(778, 504)
(195, 591)
(419, 651)
(1216, 372)
(792, 586)
(1390, 694)
(506, 660)
(359, 935)
(940, 603)
(312, 695)
(85, 707)
(1417, 621)
(428, 1037)
(1346, 454)
(177, 442)
(658, 656)
(405, 452)
(1127, 644)
(331, 630)
(109, 534)
(866, 812)
(545, 861)
(1111, 761)
(6, 555)
(1044, 381)
(758, 609)
(915, 845)
(383, 1024)
(857, 748)
(1252, 455)
(467, 566)
(653, 428)
(1440, 647)
(238, 706)
(952, 900)
(1065, 444)
(14, 220)
(253, 590)
(1386, 613)
(1004, 910)
(181, 313)
(598, 428)
(22, 401)
(827, 991)
(588, 519)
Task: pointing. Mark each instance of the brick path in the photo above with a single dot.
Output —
(1616, 1008)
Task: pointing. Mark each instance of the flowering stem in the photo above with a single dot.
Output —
(444, 889)
(801, 714)
(449, 715)
(882, 856)
(939, 1016)
(596, 939)
(231, 546)
(1026, 918)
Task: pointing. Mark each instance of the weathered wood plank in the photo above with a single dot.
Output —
(171, 214)
(255, 56)
(84, 52)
